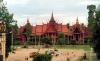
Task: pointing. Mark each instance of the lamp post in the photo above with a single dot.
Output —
(2, 38)
(91, 54)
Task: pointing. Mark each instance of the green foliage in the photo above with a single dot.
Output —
(46, 40)
(91, 18)
(18, 42)
(8, 20)
(82, 25)
(30, 43)
(70, 30)
(15, 30)
(73, 42)
(96, 32)
(34, 39)
(14, 48)
(79, 42)
(42, 57)
(61, 39)
(28, 31)
(68, 25)
(61, 35)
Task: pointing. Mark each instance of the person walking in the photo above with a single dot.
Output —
(27, 58)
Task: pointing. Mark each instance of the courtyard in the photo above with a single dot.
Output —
(72, 54)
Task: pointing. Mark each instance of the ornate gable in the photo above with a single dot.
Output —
(51, 25)
(51, 29)
(76, 30)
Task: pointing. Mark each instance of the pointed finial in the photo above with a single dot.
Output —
(52, 14)
(27, 20)
(77, 21)
(52, 18)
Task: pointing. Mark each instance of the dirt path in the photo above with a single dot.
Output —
(63, 54)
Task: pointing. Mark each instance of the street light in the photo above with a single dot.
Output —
(91, 54)
(2, 38)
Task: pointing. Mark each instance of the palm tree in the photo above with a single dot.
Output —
(71, 31)
(68, 26)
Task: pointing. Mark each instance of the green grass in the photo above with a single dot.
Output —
(84, 47)
(94, 58)
(77, 47)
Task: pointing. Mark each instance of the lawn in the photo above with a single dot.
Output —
(94, 58)
(84, 47)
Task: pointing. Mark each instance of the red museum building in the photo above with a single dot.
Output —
(52, 29)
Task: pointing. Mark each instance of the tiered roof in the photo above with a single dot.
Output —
(53, 26)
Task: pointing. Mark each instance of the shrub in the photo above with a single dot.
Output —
(14, 48)
(30, 43)
(17, 42)
(42, 57)
(73, 42)
(80, 43)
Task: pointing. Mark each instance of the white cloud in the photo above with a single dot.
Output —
(95, 2)
(38, 11)
(16, 2)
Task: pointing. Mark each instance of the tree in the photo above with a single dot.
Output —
(91, 9)
(34, 39)
(73, 42)
(42, 57)
(83, 31)
(8, 20)
(15, 30)
(61, 39)
(96, 32)
(68, 26)
(46, 41)
(28, 31)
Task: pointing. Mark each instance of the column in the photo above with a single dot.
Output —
(52, 38)
(46, 34)
(39, 39)
(78, 37)
(55, 39)
(3, 42)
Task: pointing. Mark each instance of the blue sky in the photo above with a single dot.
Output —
(39, 11)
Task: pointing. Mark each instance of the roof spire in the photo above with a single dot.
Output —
(27, 20)
(77, 21)
(52, 18)
(52, 14)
